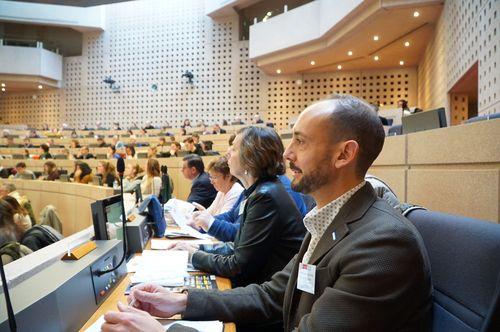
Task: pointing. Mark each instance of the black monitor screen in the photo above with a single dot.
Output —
(107, 210)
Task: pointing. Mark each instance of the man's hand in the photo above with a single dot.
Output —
(157, 301)
(130, 319)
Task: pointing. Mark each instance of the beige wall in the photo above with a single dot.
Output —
(466, 33)
(453, 170)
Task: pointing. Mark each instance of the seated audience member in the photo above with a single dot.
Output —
(45, 154)
(27, 143)
(202, 191)
(11, 190)
(83, 173)
(371, 269)
(33, 134)
(111, 153)
(384, 121)
(50, 171)
(271, 232)
(227, 186)
(21, 216)
(186, 124)
(238, 121)
(130, 150)
(21, 169)
(152, 152)
(84, 153)
(73, 134)
(107, 172)
(67, 153)
(10, 233)
(116, 126)
(143, 133)
(216, 129)
(183, 132)
(101, 143)
(74, 144)
(121, 150)
(191, 147)
(175, 147)
(132, 177)
(162, 142)
(149, 125)
(207, 146)
(256, 119)
(151, 182)
(26, 154)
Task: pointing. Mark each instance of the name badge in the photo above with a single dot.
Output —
(242, 207)
(306, 278)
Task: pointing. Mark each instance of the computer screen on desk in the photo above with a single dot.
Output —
(424, 121)
(107, 210)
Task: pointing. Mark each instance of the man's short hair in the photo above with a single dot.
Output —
(355, 119)
(44, 147)
(193, 160)
(189, 140)
(9, 187)
(21, 164)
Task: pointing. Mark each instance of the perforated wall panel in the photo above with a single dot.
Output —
(152, 43)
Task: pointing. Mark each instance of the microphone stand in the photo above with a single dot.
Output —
(8, 303)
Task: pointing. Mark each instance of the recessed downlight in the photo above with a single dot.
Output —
(40, 87)
(407, 44)
(401, 63)
(3, 85)
(349, 53)
(376, 38)
(339, 67)
(278, 71)
(312, 62)
(376, 58)
(416, 14)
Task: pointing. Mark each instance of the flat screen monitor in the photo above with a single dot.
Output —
(104, 211)
(432, 119)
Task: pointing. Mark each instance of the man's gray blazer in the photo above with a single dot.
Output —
(374, 276)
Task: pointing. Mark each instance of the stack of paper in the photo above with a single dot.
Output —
(166, 268)
(165, 244)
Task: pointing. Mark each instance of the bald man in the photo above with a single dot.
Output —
(361, 267)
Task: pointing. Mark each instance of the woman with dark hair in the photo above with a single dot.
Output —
(271, 229)
(50, 172)
(21, 217)
(107, 172)
(151, 182)
(83, 173)
(130, 150)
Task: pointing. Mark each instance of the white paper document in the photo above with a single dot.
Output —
(181, 221)
(180, 205)
(166, 268)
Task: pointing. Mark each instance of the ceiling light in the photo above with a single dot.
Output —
(375, 38)
(40, 87)
(349, 53)
(339, 67)
(269, 13)
(401, 63)
(376, 58)
(3, 85)
(278, 71)
(407, 44)
(3, 89)
(416, 14)
(313, 62)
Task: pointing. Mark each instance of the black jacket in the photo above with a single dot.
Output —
(202, 191)
(270, 235)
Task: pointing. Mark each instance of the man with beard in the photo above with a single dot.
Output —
(361, 267)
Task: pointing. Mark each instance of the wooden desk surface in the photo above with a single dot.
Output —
(119, 295)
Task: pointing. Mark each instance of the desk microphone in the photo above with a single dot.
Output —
(10, 312)
(120, 168)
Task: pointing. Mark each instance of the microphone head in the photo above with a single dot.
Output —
(120, 166)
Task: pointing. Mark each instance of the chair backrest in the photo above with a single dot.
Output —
(395, 130)
(464, 255)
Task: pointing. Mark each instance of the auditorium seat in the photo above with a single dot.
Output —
(395, 130)
(464, 257)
